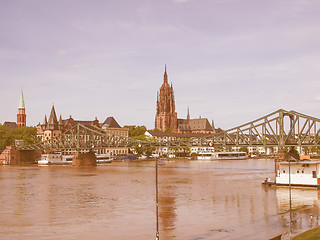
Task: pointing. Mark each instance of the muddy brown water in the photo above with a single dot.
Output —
(197, 201)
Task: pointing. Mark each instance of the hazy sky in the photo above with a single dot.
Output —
(229, 60)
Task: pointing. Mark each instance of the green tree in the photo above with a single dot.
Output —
(244, 149)
(27, 134)
(137, 132)
(228, 149)
(294, 153)
(144, 151)
(168, 130)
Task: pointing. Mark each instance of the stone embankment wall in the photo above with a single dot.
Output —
(84, 159)
(12, 156)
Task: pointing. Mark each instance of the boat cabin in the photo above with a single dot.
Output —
(302, 173)
(222, 155)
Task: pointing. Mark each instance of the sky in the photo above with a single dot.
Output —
(231, 61)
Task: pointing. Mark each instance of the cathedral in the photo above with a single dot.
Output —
(166, 116)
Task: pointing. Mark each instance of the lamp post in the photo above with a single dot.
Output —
(290, 203)
(157, 161)
(157, 201)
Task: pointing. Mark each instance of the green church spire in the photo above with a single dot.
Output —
(21, 103)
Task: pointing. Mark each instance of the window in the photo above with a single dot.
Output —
(314, 174)
(297, 171)
(283, 171)
(302, 171)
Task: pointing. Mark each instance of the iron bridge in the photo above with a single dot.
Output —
(278, 129)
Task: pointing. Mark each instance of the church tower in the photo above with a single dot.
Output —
(166, 117)
(51, 127)
(21, 116)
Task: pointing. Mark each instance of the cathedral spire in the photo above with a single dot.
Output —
(165, 77)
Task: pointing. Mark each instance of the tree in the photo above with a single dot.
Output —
(144, 150)
(168, 130)
(137, 132)
(27, 134)
(228, 149)
(244, 149)
(294, 153)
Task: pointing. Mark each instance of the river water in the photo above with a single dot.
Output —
(198, 200)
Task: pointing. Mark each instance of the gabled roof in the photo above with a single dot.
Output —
(199, 124)
(111, 122)
(9, 125)
(184, 127)
(70, 122)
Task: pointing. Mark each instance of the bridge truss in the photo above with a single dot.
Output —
(278, 129)
(82, 137)
(281, 128)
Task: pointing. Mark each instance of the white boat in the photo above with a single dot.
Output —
(104, 158)
(222, 156)
(302, 173)
(55, 158)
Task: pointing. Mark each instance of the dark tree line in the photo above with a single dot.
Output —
(27, 134)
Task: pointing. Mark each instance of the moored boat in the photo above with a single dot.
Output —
(55, 158)
(298, 173)
(222, 156)
(104, 158)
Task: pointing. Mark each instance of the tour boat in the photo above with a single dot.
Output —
(302, 173)
(222, 156)
(55, 158)
(104, 158)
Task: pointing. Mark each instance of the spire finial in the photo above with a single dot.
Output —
(21, 103)
(165, 77)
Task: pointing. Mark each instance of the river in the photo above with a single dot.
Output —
(198, 200)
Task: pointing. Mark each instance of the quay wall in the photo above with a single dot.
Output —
(12, 156)
(84, 159)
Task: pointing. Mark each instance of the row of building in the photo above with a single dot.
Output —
(167, 124)
(53, 127)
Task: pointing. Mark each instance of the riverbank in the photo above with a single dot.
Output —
(312, 234)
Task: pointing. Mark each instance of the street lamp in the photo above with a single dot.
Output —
(157, 161)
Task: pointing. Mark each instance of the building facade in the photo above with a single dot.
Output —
(53, 127)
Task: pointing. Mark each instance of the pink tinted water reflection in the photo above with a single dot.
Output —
(197, 200)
